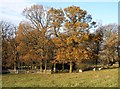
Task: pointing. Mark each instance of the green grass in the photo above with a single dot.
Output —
(103, 78)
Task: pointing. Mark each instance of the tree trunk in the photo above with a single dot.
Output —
(63, 66)
(21, 66)
(41, 67)
(36, 66)
(32, 66)
(25, 66)
(119, 63)
(18, 65)
(70, 71)
(14, 66)
(45, 65)
(54, 69)
(96, 62)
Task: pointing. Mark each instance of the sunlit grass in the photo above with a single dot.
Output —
(103, 78)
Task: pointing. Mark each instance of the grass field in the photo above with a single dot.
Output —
(103, 78)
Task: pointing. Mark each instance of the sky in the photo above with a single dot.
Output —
(103, 11)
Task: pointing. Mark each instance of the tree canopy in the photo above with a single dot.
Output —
(50, 36)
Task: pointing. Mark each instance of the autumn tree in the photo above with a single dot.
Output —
(9, 53)
(75, 29)
(37, 15)
(55, 23)
(68, 30)
(77, 25)
(24, 41)
(31, 44)
(57, 36)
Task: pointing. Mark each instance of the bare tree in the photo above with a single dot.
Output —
(110, 43)
(37, 15)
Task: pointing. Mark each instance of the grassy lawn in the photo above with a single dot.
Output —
(103, 78)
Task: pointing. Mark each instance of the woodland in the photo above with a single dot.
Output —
(58, 40)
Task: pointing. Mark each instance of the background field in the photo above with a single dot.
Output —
(103, 78)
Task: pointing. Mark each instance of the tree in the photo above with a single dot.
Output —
(70, 42)
(29, 43)
(37, 15)
(8, 44)
(77, 25)
(95, 41)
(55, 20)
(110, 43)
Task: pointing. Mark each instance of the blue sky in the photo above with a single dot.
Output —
(103, 12)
